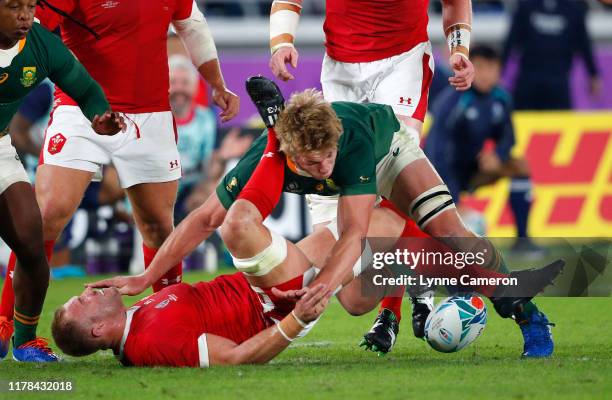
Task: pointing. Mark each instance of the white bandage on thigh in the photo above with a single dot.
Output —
(430, 204)
(196, 35)
(264, 262)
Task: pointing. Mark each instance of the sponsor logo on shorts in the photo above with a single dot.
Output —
(174, 164)
(56, 143)
(28, 77)
(396, 152)
(405, 101)
(3, 78)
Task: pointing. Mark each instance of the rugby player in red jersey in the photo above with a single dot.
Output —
(123, 46)
(378, 52)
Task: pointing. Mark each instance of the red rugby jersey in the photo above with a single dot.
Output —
(169, 327)
(130, 59)
(370, 30)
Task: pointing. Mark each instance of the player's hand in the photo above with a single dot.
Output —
(127, 285)
(313, 303)
(463, 72)
(228, 101)
(290, 295)
(110, 123)
(280, 59)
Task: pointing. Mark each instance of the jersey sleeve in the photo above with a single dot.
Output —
(51, 19)
(70, 75)
(171, 348)
(183, 9)
(356, 168)
(232, 183)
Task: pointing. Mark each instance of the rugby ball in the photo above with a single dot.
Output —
(455, 323)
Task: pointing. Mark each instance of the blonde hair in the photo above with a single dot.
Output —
(308, 123)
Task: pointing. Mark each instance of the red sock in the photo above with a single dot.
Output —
(169, 278)
(394, 302)
(265, 186)
(8, 295)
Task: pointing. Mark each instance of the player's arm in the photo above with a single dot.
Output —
(354, 213)
(284, 19)
(193, 30)
(194, 229)
(268, 343)
(72, 77)
(457, 24)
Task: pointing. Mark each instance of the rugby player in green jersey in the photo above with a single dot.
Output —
(29, 54)
(359, 151)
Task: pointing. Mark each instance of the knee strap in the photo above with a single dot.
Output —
(264, 262)
(429, 204)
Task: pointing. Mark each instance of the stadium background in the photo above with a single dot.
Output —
(570, 152)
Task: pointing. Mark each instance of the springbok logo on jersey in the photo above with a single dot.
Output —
(232, 184)
(3, 78)
(29, 76)
(56, 143)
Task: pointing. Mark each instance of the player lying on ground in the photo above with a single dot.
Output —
(134, 75)
(263, 191)
(230, 320)
(233, 319)
(28, 54)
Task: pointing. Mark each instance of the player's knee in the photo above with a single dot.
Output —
(54, 215)
(357, 307)
(238, 222)
(269, 258)
(155, 232)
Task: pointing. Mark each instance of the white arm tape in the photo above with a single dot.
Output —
(196, 36)
(283, 21)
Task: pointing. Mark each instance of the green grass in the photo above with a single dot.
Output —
(328, 363)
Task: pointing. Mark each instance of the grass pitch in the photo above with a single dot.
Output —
(328, 364)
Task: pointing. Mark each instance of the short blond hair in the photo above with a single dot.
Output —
(308, 123)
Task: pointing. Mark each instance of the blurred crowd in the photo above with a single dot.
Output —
(544, 39)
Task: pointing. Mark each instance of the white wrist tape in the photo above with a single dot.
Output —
(299, 321)
(458, 38)
(284, 19)
(196, 35)
(280, 330)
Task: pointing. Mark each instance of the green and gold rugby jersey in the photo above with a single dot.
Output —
(41, 54)
(367, 133)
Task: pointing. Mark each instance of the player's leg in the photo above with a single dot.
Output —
(419, 192)
(59, 189)
(403, 83)
(153, 210)
(22, 231)
(148, 164)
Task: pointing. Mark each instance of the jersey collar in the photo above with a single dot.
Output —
(129, 314)
(7, 56)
